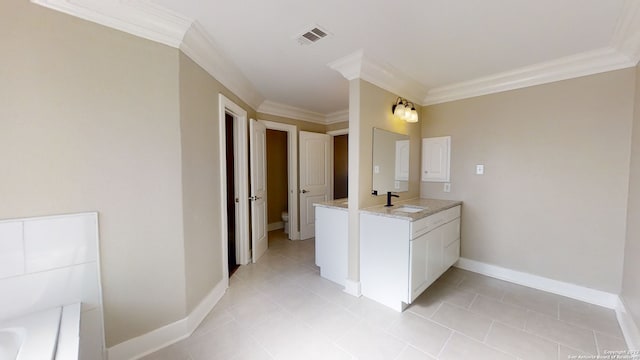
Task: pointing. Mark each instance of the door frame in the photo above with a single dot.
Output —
(241, 166)
(292, 156)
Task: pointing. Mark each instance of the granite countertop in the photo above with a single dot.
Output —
(340, 204)
(431, 206)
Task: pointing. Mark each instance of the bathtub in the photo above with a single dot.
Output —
(51, 334)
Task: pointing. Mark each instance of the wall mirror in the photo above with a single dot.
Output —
(390, 161)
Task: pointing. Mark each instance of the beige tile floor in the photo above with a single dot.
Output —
(280, 308)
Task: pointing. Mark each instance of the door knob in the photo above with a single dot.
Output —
(304, 191)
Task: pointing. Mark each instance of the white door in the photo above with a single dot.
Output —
(315, 178)
(258, 150)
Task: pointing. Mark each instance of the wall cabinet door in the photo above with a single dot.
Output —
(436, 159)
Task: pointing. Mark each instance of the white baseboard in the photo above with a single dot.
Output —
(629, 327)
(206, 305)
(352, 287)
(159, 338)
(592, 296)
(275, 226)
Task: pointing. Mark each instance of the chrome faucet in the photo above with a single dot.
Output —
(389, 195)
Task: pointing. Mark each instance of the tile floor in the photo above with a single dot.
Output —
(280, 308)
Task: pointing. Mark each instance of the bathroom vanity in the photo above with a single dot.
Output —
(406, 247)
(332, 232)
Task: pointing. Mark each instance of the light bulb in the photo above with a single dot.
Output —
(413, 117)
(399, 111)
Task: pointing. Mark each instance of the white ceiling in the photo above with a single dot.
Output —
(428, 51)
(436, 42)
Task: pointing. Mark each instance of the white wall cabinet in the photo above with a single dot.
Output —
(400, 258)
(436, 158)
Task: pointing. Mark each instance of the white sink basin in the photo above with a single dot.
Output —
(408, 209)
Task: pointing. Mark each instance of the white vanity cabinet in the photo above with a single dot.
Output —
(400, 258)
(332, 231)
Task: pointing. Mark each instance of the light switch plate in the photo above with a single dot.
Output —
(447, 187)
(479, 169)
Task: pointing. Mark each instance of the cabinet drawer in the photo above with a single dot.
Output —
(431, 222)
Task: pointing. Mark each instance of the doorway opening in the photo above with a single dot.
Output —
(290, 179)
(277, 181)
(234, 189)
(232, 258)
(340, 166)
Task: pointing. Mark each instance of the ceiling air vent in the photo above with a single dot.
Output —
(311, 36)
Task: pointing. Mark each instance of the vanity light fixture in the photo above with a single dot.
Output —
(405, 110)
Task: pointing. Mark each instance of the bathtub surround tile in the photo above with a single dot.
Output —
(56, 242)
(43, 290)
(312, 318)
(521, 344)
(58, 266)
(11, 249)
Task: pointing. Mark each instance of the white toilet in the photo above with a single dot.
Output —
(285, 220)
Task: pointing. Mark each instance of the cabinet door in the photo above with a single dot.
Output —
(436, 158)
(451, 241)
(434, 255)
(426, 261)
(418, 272)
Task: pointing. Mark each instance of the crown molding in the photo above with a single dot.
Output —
(626, 37)
(587, 63)
(138, 17)
(203, 50)
(336, 117)
(292, 112)
(358, 65)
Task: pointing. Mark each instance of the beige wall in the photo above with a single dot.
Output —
(553, 198)
(338, 126)
(277, 175)
(631, 279)
(199, 124)
(369, 107)
(375, 112)
(301, 124)
(89, 121)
